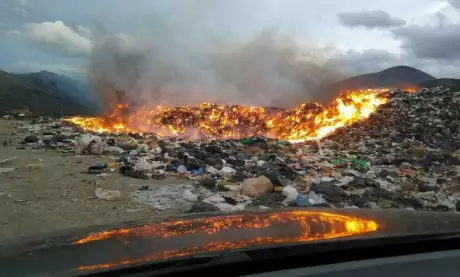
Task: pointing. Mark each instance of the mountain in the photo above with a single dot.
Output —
(393, 77)
(446, 82)
(76, 90)
(40, 96)
(398, 76)
(47, 93)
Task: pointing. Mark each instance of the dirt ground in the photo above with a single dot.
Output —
(61, 195)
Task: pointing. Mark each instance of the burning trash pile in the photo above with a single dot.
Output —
(369, 149)
(212, 121)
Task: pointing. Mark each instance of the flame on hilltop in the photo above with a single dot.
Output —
(207, 120)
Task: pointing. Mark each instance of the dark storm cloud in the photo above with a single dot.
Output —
(439, 42)
(455, 3)
(369, 19)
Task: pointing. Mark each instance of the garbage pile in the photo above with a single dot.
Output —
(405, 155)
(429, 117)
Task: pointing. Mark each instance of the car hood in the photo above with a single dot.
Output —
(168, 238)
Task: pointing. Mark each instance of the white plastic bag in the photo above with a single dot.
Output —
(108, 195)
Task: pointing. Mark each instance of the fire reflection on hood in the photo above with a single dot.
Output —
(308, 226)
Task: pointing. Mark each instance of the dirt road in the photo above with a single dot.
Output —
(61, 195)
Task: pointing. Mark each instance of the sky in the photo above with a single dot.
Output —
(351, 36)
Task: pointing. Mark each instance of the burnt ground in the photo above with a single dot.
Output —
(60, 195)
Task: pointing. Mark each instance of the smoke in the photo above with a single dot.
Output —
(173, 65)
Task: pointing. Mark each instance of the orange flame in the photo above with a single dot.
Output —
(315, 225)
(305, 122)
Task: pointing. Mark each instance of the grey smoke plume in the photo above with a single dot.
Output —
(173, 67)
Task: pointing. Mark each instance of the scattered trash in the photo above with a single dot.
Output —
(226, 170)
(127, 143)
(135, 210)
(7, 161)
(159, 174)
(133, 172)
(208, 182)
(302, 201)
(358, 164)
(166, 197)
(405, 155)
(219, 201)
(202, 207)
(20, 200)
(340, 163)
(7, 169)
(31, 139)
(114, 165)
(108, 195)
(90, 144)
(181, 169)
(212, 170)
(256, 186)
(189, 196)
(290, 193)
(143, 188)
(34, 167)
(97, 167)
(114, 150)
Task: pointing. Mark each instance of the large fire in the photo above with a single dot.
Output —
(207, 120)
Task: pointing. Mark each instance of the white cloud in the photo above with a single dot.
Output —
(56, 36)
(83, 31)
(15, 8)
(24, 3)
(21, 10)
(436, 13)
(366, 61)
(13, 33)
(27, 66)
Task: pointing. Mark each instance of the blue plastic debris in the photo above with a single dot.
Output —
(198, 171)
(302, 200)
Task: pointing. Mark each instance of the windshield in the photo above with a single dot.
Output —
(120, 111)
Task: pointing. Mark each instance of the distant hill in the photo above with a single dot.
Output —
(47, 93)
(39, 96)
(447, 82)
(397, 76)
(76, 90)
(394, 77)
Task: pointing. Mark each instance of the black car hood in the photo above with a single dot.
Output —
(106, 247)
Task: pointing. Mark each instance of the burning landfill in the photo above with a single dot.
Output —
(368, 149)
